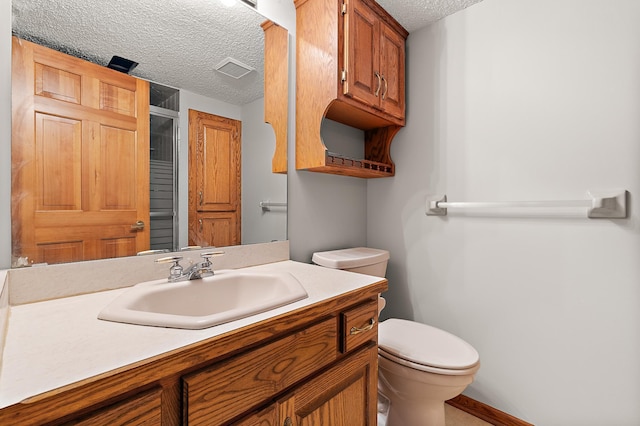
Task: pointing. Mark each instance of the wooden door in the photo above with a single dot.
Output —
(80, 158)
(214, 180)
(362, 57)
(392, 57)
(346, 394)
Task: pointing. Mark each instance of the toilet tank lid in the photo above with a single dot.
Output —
(350, 258)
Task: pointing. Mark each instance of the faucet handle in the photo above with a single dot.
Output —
(208, 255)
(168, 259)
(176, 270)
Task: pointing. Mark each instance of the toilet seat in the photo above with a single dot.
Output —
(425, 348)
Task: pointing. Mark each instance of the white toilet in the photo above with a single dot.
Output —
(419, 366)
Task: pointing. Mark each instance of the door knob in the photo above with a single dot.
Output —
(138, 226)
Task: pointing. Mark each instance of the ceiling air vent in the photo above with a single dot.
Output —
(122, 64)
(233, 68)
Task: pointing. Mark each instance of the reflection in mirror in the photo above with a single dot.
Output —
(178, 44)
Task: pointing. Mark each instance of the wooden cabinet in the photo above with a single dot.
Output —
(315, 366)
(351, 69)
(276, 89)
(214, 180)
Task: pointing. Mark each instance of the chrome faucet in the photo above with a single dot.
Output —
(193, 272)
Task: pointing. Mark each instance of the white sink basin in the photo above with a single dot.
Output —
(226, 296)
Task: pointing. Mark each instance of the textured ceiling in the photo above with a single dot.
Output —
(175, 42)
(415, 14)
(179, 42)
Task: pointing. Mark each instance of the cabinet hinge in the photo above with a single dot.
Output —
(344, 76)
(344, 8)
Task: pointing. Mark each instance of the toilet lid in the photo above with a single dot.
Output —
(425, 345)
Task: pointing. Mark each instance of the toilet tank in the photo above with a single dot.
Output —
(363, 260)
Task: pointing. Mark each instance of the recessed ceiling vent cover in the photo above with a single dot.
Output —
(233, 68)
(122, 64)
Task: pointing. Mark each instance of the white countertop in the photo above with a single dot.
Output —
(55, 343)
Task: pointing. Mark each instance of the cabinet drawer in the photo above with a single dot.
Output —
(359, 325)
(143, 409)
(225, 390)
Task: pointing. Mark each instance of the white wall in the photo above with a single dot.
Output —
(523, 100)
(5, 133)
(258, 182)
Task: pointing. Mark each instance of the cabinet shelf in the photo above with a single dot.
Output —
(338, 164)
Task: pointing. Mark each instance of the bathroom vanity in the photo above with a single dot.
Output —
(311, 362)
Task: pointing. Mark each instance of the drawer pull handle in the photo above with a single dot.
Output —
(358, 330)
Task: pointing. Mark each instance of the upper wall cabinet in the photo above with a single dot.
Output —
(351, 69)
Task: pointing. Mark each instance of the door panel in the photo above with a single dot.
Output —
(118, 163)
(58, 149)
(214, 229)
(81, 174)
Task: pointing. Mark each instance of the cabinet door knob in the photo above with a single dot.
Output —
(379, 84)
(200, 223)
(201, 197)
(288, 422)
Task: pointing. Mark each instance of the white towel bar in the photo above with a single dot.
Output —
(600, 204)
(265, 205)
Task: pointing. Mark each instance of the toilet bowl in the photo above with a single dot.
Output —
(419, 366)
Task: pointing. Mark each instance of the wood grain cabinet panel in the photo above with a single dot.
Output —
(359, 325)
(346, 394)
(276, 89)
(141, 410)
(226, 390)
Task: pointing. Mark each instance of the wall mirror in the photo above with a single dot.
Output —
(198, 47)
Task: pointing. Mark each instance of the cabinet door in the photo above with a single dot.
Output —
(344, 395)
(392, 58)
(362, 56)
(229, 389)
